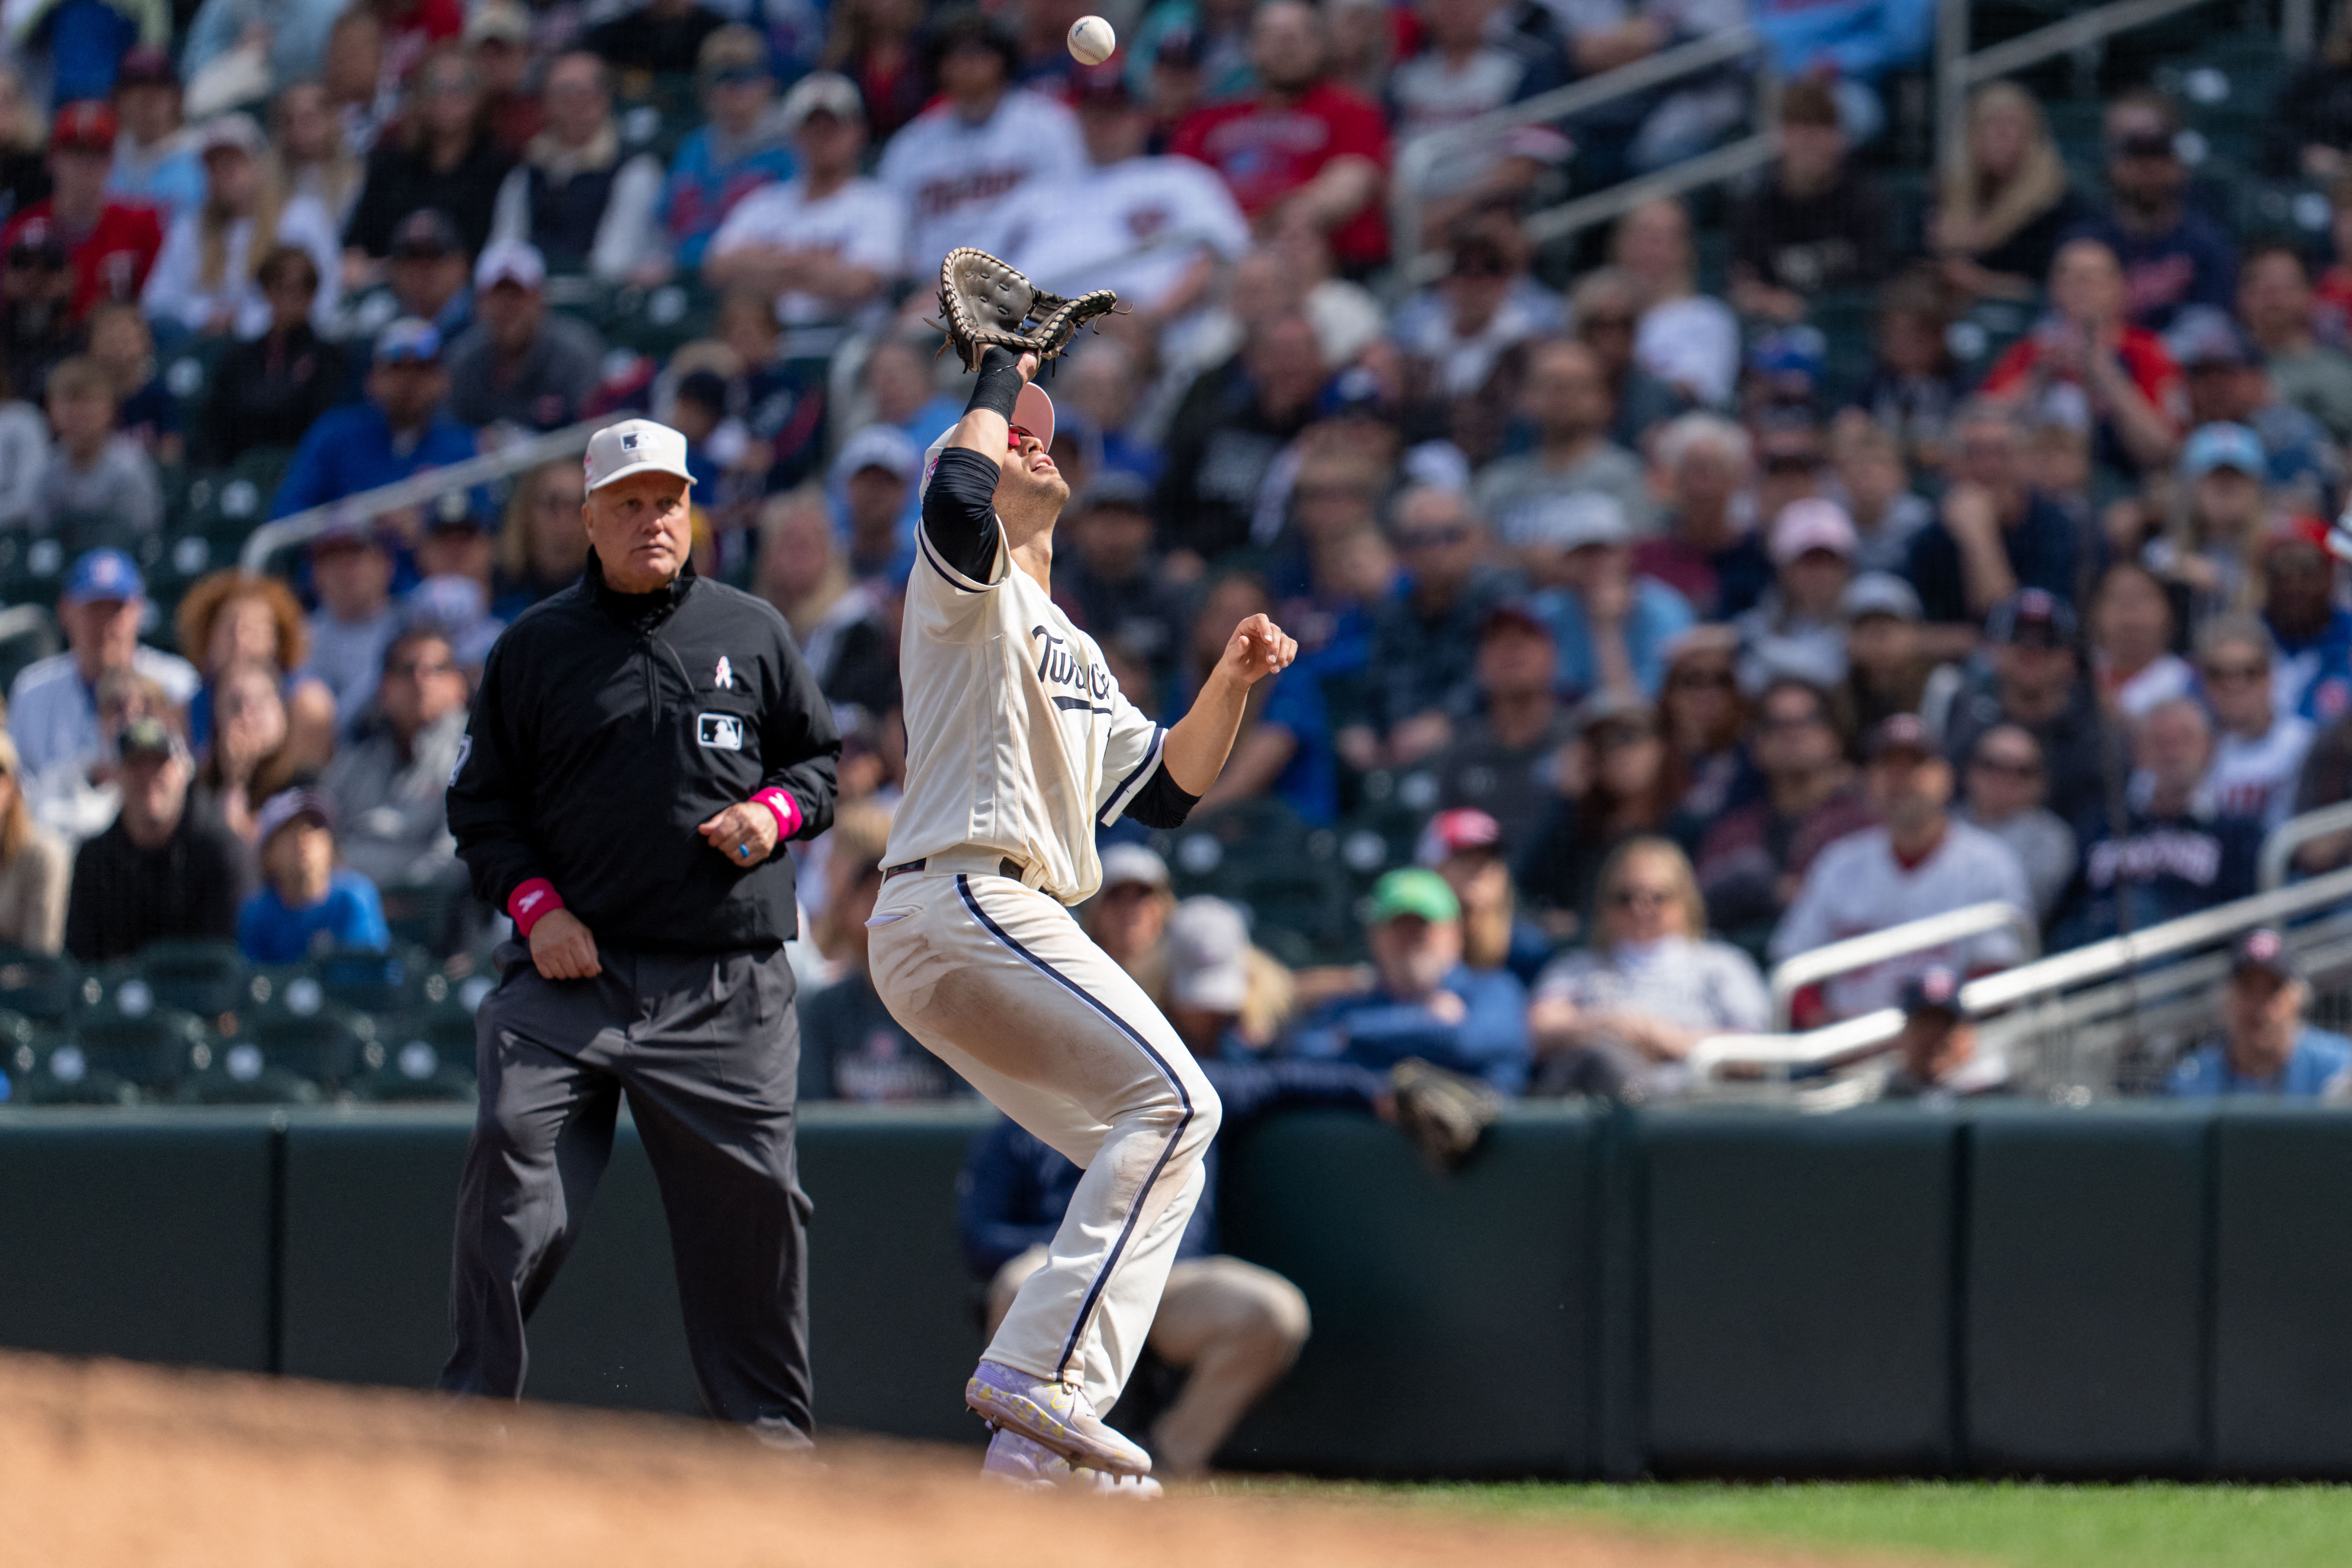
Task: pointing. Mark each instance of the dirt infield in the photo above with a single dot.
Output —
(104, 1465)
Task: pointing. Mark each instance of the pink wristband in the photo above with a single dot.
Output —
(787, 812)
(532, 902)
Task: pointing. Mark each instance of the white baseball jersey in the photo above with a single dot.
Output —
(863, 222)
(1064, 237)
(1857, 885)
(2256, 778)
(955, 177)
(1018, 737)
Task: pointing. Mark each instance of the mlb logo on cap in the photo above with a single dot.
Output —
(103, 575)
(635, 447)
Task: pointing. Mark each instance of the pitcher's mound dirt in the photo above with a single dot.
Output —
(104, 1465)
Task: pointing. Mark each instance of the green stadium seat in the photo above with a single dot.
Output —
(150, 1047)
(53, 1070)
(428, 915)
(368, 981)
(240, 1074)
(427, 1056)
(207, 978)
(325, 1047)
(44, 987)
(27, 633)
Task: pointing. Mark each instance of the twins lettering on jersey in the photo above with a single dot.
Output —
(2194, 857)
(935, 197)
(1060, 662)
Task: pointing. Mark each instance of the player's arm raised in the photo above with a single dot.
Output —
(959, 496)
(1201, 740)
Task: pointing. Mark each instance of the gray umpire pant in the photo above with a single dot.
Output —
(708, 1051)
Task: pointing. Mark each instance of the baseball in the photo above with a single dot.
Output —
(1092, 40)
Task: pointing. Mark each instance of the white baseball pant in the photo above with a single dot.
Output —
(998, 981)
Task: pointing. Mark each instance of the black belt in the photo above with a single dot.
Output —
(1008, 867)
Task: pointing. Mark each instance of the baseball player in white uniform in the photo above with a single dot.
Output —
(1019, 743)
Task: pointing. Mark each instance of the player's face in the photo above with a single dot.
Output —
(1027, 470)
(641, 529)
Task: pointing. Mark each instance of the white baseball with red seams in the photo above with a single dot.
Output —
(1092, 41)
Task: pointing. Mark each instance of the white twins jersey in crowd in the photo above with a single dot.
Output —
(1857, 885)
(862, 222)
(1062, 236)
(1018, 739)
(955, 177)
(2256, 778)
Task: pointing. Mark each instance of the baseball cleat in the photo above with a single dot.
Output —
(1027, 1464)
(1054, 1414)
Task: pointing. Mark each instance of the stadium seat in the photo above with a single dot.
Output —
(428, 1056)
(241, 1073)
(44, 987)
(207, 978)
(27, 633)
(326, 1047)
(370, 982)
(55, 1071)
(148, 1046)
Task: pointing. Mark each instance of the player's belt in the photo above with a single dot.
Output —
(1007, 867)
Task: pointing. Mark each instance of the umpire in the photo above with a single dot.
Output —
(643, 745)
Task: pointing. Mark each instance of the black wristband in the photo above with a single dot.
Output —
(999, 385)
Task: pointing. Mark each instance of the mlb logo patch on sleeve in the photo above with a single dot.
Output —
(719, 732)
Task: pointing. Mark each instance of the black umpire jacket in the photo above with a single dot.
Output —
(609, 727)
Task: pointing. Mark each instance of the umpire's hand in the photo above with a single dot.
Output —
(562, 949)
(745, 834)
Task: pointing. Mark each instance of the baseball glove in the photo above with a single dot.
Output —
(988, 304)
(1443, 1112)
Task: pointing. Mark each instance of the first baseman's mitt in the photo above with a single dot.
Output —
(1443, 1112)
(989, 304)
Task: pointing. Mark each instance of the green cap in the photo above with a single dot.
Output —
(1414, 891)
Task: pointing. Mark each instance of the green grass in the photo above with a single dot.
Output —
(2019, 1525)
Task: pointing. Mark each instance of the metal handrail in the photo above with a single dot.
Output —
(1725, 163)
(298, 528)
(2280, 845)
(1797, 970)
(1668, 65)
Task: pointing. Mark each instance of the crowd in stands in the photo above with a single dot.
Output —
(1657, 646)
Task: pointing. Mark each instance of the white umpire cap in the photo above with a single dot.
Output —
(635, 447)
(1032, 411)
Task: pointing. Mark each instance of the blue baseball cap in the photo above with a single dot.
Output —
(408, 341)
(103, 575)
(2222, 446)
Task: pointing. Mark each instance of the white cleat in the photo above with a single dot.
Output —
(1056, 1416)
(1027, 1464)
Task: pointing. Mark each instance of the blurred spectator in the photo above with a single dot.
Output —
(1994, 534)
(1876, 490)
(287, 37)
(166, 870)
(352, 571)
(2312, 632)
(411, 28)
(2172, 853)
(1567, 399)
(2267, 1047)
(1128, 916)
(431, 273)
(2171, 256)
(664, 36)
(2132, 661)
(543, 544)
(780, 404)
(1617, 1019)
(1424, 1001)
(2229, 385)
(520, 363)
(1613, 786)
(1815, 222)
(1752, 861)
(2032, 678)
(1913, 386)
(2275, 300)
(1604, 308)
(873, 42)
(1612, 622)
(250, 755)
(443, 158)
(1473, 63)
(2006, 200)
(34, 866)
(109, 244)
(1688, 341)
(24, 161)
(206, 279)
(236, 617)
(1425, 640)
(397, 431)
(1225, 436)
(1302, 151)
(1704, 720)
(1113, 578)
(827, 242)
(1887, 664)
(37, 323)
(306, 904)
(741, 147)
(2258, 752)
(1285, 746)
(458, 603)
(145, 409)
(1466, 847)
(1853, 45)
(956, 166)
(1646, 130)
(2310, 121)
(1157, 230)
(154, 164)
(360, 93)
(1710, 554)
(1190, 52)
(1796, 628)
(2085, 365)
(2005, 783)
(1921, 862)
(98, 486)
(498, 43)
(386, 788)
(851, 1047)
(1226, 998)
(268, 389)
(1503, 760)
(585, 204)
(2215, 547)
(1938, 1054)
(838, 623)
(24, 456)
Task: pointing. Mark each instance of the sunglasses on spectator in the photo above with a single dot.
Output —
(1640, 898)
(1432, 538)
(2231, 674)
(1700, 680)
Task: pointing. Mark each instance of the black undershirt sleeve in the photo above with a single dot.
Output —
(960, 512)
(1161, 802)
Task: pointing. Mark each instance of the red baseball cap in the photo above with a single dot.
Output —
(1450, 832)
(85, 126)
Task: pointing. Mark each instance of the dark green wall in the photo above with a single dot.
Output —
(2129, 1290)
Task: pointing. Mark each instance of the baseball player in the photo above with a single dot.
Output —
(644, 744)
(1019, 743)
